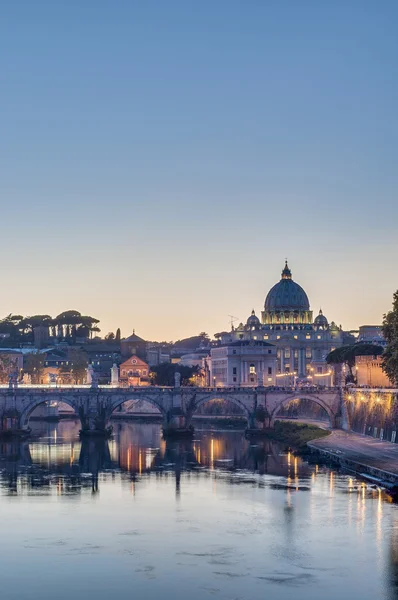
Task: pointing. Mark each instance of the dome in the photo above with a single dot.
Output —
(287, 294)
(253, 321)
(321, 320)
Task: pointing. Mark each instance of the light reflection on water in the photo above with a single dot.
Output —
(216, 517)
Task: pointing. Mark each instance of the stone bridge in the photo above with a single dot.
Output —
(95, 405)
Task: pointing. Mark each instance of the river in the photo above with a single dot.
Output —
(216, 518)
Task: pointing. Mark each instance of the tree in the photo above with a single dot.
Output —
(34, 366)
(194, 342)
(118, 335)
(110, 336)
(163, 374)
(76, 367)
(347, 354)
(8, 366)
(390, 332)
(10, 326)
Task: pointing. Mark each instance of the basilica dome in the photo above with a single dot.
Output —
(321, 320)
(287, 295)
(253, 320)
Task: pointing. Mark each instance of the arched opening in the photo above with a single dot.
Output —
(219, 408)
(49, 409)
(137, 409)
(304, 409)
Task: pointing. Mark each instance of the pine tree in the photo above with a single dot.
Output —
(118, 335)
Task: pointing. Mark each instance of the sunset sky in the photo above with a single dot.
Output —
(160, 159)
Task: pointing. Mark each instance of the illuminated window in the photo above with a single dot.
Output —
(319, 337)
(287, 352)
(295, 337)
(278, 337)
(254, 337)
(252, 369)
(308, 337)
(266, 337)
(308, 353)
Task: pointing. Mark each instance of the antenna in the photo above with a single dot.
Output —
(233, 319)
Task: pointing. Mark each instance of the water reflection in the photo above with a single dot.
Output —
(136, 451)
(248, 520)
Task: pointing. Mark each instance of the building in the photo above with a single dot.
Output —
(157, 356)
(369, 372)
(372, 334)
(134, 371)
(243, 362)
(302, 342)
(133, 345)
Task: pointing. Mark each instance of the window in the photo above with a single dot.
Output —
(266, 337)
(308, 353)
(233, 351)
(252, 368)
(269, 351)
(319, 337)
(254, 337)
(295, 337)
(251, 379)
(144, 372)
(234, 371)
(287, 368)
(287, 352)
(234, 379)
(308, 337)
(269, 370)
(278, 337)
(319, 369)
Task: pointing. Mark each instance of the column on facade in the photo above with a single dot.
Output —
(300, 362)
(242, 372)
(282, 351)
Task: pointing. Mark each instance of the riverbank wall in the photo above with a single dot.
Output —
(363, 456)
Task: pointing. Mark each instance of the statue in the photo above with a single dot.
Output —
(89, 374)
(177, 379)
(13, 381)
(115, 375)
(94, 380)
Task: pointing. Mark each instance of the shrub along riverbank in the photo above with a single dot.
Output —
(294, 435)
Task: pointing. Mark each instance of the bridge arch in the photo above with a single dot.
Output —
(203, 398)
(136, 397)
(311, 398)
(38, 401)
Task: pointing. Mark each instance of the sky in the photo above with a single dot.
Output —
(160, 160)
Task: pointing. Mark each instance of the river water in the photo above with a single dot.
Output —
(216, 518)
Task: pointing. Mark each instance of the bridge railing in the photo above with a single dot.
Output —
(153, 388)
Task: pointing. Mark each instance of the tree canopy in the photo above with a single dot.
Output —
(390, 332)
(163, 374)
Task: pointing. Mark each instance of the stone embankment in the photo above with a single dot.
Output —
(362, 454)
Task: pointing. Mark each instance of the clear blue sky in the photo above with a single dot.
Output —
(159, 159)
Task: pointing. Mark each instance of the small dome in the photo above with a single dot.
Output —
(321, 320)
(286, 294)
(253, 320)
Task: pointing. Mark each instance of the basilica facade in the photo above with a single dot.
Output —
(301, 341)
